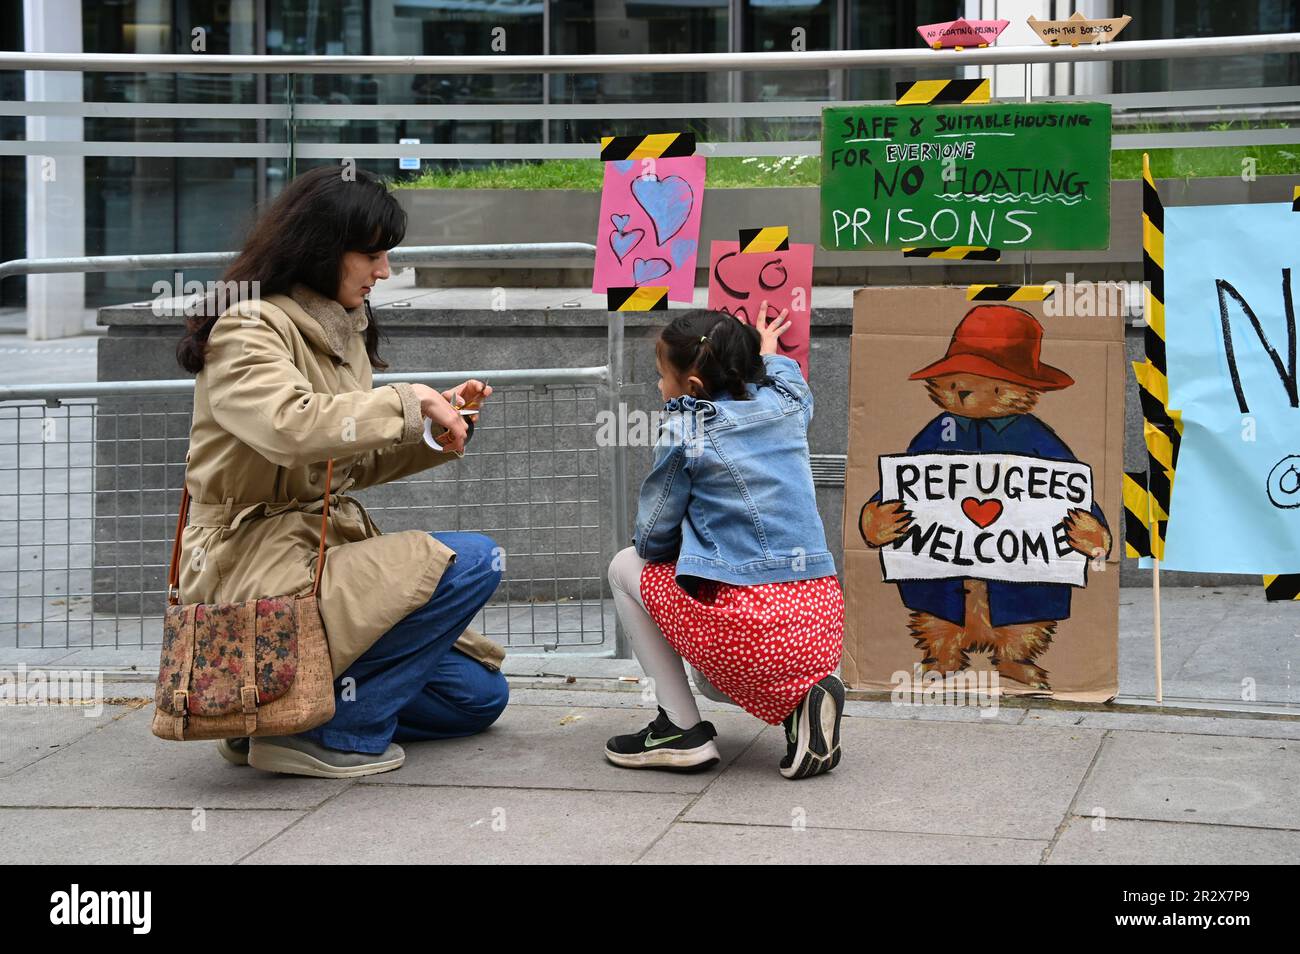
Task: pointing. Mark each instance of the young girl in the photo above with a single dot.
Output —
(730, 569)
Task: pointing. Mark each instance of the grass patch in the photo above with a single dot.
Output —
(725, 172)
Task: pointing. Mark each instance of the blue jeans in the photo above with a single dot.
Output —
(411, 684)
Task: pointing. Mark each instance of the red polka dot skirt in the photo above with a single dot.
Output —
(764, 646)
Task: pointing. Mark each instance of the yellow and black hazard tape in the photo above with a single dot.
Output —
(951, 92)
(646, 298)
(653, 146)
(1137, 515)
(1162, 427)
(1009, 292)
(1284, 586)
(957, 253)
(773, 238)
(1295, 199)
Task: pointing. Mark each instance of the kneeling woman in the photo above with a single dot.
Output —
(284, 387)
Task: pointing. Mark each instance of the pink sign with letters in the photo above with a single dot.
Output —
(962, 32)
(739, 283)
(649, 229)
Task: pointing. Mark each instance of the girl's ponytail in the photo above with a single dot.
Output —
(722, 351)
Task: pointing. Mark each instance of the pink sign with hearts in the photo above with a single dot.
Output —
(738, 284)
(649, 228)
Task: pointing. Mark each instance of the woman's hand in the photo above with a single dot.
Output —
(439, 410)
(468, 396)
(770, 333)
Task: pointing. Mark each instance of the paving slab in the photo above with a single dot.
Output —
(1123, 842)
(1178, 725)
(378, 824)
(951, 778)
(1176, 777)
(559, 747)
(689, 843)
(596, 698)
(31, 733)
(123, 765)
(90, 836)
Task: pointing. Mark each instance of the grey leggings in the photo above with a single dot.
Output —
(658, 659)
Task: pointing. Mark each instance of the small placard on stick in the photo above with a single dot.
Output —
(1078, 29)
(960, 33)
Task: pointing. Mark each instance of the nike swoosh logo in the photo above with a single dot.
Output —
(651, 741)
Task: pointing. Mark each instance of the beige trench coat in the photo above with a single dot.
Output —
(286, 386)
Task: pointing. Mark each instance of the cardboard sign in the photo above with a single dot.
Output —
(1230, 345)
(1011, 176)
(1078, 29)
(1019, 378)
(738, 283)
(649, 228)
(985, 516)
(962, 32)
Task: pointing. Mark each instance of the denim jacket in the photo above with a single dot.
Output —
(730, 496)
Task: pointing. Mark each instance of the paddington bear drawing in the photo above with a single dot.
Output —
(987, 386)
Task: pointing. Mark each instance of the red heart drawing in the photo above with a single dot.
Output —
(981, 512)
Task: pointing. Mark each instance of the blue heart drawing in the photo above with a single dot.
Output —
(682, 249)
(620, 225)
(623, 242)
(668, 202)
(623, 165)
(648, 269)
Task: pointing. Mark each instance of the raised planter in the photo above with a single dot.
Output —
(473, 216)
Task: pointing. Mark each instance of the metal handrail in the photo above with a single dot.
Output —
(1185, 48)
(767, 109)
(407, 255)
(529, 377)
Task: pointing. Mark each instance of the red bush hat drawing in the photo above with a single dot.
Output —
(998, 341)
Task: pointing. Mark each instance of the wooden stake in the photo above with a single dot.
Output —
(1155, 594)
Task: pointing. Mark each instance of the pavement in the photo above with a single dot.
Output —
(1208, 777)
(1030, 783)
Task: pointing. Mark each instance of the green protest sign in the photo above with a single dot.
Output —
(1011, 176)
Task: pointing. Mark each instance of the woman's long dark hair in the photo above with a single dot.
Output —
(722, 351)
(301, 237)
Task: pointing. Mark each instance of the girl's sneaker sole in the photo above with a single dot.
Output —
(818, 747)
(676, 760)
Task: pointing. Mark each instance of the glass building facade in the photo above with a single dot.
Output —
(141, 204)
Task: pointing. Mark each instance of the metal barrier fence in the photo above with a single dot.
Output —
(90, 485)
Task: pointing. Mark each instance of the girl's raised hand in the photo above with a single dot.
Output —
(770, 333)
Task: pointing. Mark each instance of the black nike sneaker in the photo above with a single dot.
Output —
(812, 731)
(663, 745)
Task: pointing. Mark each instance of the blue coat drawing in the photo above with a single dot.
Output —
(1009, 603)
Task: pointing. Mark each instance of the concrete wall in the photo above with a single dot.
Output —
(452, 333)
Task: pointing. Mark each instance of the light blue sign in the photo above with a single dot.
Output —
(1230, 331)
